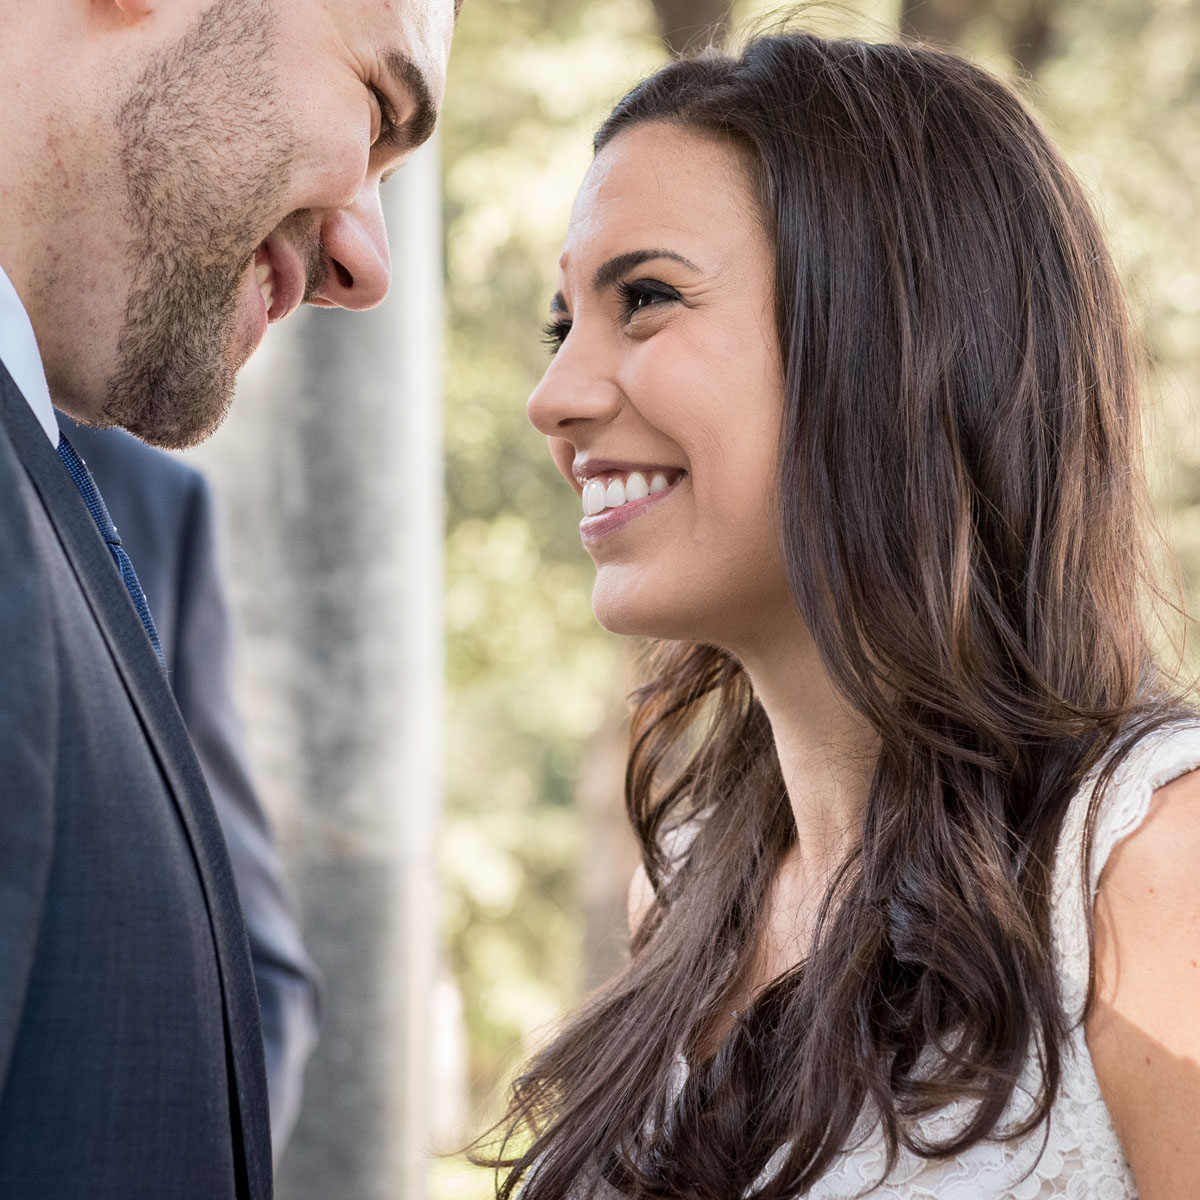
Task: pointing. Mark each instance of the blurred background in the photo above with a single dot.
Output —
(435, 719)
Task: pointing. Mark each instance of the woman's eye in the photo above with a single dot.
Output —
(641, 294)
(554, 334)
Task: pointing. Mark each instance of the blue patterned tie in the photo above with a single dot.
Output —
(78, 471)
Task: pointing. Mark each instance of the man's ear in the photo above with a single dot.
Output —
(136, 8)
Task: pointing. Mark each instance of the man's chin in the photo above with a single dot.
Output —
(179, 353)
(173, 421)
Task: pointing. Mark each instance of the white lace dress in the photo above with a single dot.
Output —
(1078, 1156)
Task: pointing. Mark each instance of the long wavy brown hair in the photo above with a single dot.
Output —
(964, 522)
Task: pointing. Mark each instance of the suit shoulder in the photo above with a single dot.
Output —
(28, 648)
(19, 538)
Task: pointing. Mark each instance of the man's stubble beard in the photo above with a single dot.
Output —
(205, 163)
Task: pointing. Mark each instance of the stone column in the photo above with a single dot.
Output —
(330, 467)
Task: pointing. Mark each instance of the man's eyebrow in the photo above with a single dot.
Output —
(408, 77)
(609, 272)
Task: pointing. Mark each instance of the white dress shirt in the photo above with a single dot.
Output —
(19, 353)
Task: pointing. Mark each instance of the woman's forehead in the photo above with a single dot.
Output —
(660, 184)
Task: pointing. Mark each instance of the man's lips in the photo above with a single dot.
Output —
(279, 273)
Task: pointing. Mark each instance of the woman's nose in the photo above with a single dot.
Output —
(358, 266)
(574, 391)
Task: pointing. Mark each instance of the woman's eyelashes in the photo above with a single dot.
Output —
(637, 296)
(554, 334)
(640, 294)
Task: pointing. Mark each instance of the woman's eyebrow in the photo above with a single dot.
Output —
(610, 271)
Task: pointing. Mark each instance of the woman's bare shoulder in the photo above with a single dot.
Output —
(1143, 1032)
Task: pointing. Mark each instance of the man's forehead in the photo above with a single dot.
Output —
(418, 30)
(429, 27)
(429, 22)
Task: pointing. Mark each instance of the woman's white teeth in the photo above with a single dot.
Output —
(593, 497)
(636, 487)
(597, 496)
(262, 273)
(614, 494)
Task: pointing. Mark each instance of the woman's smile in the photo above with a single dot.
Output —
(663, 398)
(612, 500)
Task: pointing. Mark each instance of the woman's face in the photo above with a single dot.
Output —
(663, 402)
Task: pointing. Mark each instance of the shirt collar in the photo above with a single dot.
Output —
(19, 353)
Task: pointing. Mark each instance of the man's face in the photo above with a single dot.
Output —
(251, 152)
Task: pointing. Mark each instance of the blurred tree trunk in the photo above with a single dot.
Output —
(1027, 26)
(330, 465)
(689, 24)
(1031, 34)
(945, 21)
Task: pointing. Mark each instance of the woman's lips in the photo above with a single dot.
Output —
(609, 485)
(612, 491)
(627, 507)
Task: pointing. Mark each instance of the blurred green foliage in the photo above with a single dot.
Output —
(529, 671)
(1123, 100)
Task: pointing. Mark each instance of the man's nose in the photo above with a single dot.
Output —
(357, 267)
(575, 390)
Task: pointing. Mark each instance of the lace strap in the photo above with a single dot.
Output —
(1158, 758)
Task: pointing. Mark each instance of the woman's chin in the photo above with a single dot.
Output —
(639, 618)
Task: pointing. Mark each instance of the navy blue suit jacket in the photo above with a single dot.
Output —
(131, 1064)
(164, 511)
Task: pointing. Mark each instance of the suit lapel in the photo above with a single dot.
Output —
(157, 712)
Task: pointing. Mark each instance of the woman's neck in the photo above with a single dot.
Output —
(827, 751)
(827, 755)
